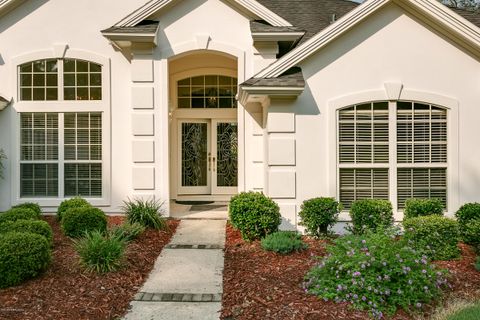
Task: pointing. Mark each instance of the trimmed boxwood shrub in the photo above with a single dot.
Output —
(283, 242)
(467, 212)
(319, 215)
(77, 221)
(15, 214)
(76, 202)
(370, 214)
(435, 236)
(33, 226)
(471, 233)
(23, 256)
(422, 207)
(30, 205)
(254, 215)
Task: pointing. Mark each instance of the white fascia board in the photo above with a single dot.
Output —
(131, 38)
(251, 6)
(7, 5)
(437, 11)
(261, 93)
(276, 36)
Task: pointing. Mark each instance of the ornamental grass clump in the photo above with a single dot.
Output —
(319, 215)
(127, 231)
(254, 214)
(148, 213)
(376, 272)
(283, 242)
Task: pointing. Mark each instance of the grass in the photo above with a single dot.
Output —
(469, 313)
(458, 310)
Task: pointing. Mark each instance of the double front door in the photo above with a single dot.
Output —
(208, 157)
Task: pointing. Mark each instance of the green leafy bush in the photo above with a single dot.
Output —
(254, 215)
(127, 231)
(319, 214)
(33, 226)
(15, 214)
(435, 236)
(148, 213)
(22, 256)
(30, 205)
(467, 212)
(100, 253)
(471, 233)
(369, 215)
(283, 242)
(375, 272)
(422, 207)
(77, 221)
(76, 202)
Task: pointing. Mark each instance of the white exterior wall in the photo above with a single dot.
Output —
(388, 47)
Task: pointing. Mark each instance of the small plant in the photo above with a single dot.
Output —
(127, 231)
(435, 236)
(23, 256)
(2, 167)
(375, 272)
(254, 215)
(100, 253)
(148, 213)
(467, 213)
(471, 233)
(422, 207)
(32, 226)
(77, 221)
(15, 214)
(29, 205)
(283, 242)
(76, 202)
(369, 215)
(477, 263)
(319, 215)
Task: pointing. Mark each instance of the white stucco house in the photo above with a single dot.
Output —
(202, 99)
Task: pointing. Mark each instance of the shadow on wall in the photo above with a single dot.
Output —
(16, 15)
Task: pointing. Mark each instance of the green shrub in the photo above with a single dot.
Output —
(375, 272)
(77, 221)
(15, 214)
(471, 232)
(30, 205)
(319, 214)
(467, 212)
(22, 256)
(100, 253)
(127, 231)
(76, 202)
(435, 236)
(148, 213)
(33, 226)
(369, 215)
(477, 264)
(422, 207)
(283, 242)
(254, 215)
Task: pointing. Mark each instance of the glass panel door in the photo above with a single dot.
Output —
(194, 157)
(225, 157)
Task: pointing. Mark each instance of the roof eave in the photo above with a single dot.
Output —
(251, 94)
(8, 5)
(123, 40)
(277, 36)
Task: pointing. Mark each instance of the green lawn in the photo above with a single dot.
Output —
(470, 313)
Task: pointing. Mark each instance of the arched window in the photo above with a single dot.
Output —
(372, 158)
(60, 79)
(207, 91)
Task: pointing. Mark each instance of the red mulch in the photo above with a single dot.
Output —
(263, 285)
(66, 291)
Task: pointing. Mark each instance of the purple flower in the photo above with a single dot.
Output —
(364, 298)
(357, 274)
(363, 266)
(424, 271)
(355, 296)
(418, 305)
(364, 241)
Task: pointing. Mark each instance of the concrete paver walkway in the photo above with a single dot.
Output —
(186, 281)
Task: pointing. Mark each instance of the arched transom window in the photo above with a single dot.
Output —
(393, 161)
(60, 79)
(207, 91)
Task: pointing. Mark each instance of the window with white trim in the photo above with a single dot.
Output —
(370, 155)
(207, 91)
(61, 148)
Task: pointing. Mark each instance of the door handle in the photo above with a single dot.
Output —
(209, 162)
(214, 164)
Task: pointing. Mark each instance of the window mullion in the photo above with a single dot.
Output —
(392, 142)
(60, 80)
(61, 156)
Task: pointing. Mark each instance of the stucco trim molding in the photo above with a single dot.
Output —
(462, 28)
(252, 7)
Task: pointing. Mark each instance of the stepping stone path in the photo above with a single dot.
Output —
(186, 281)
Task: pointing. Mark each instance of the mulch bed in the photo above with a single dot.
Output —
(264, 285)
(66, 291)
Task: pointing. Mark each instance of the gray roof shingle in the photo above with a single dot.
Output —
(291, 78)
(262, 26)
(143, 27)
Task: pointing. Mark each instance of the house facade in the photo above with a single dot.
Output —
(202, 99)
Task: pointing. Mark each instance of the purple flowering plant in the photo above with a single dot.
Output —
(395, 278)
